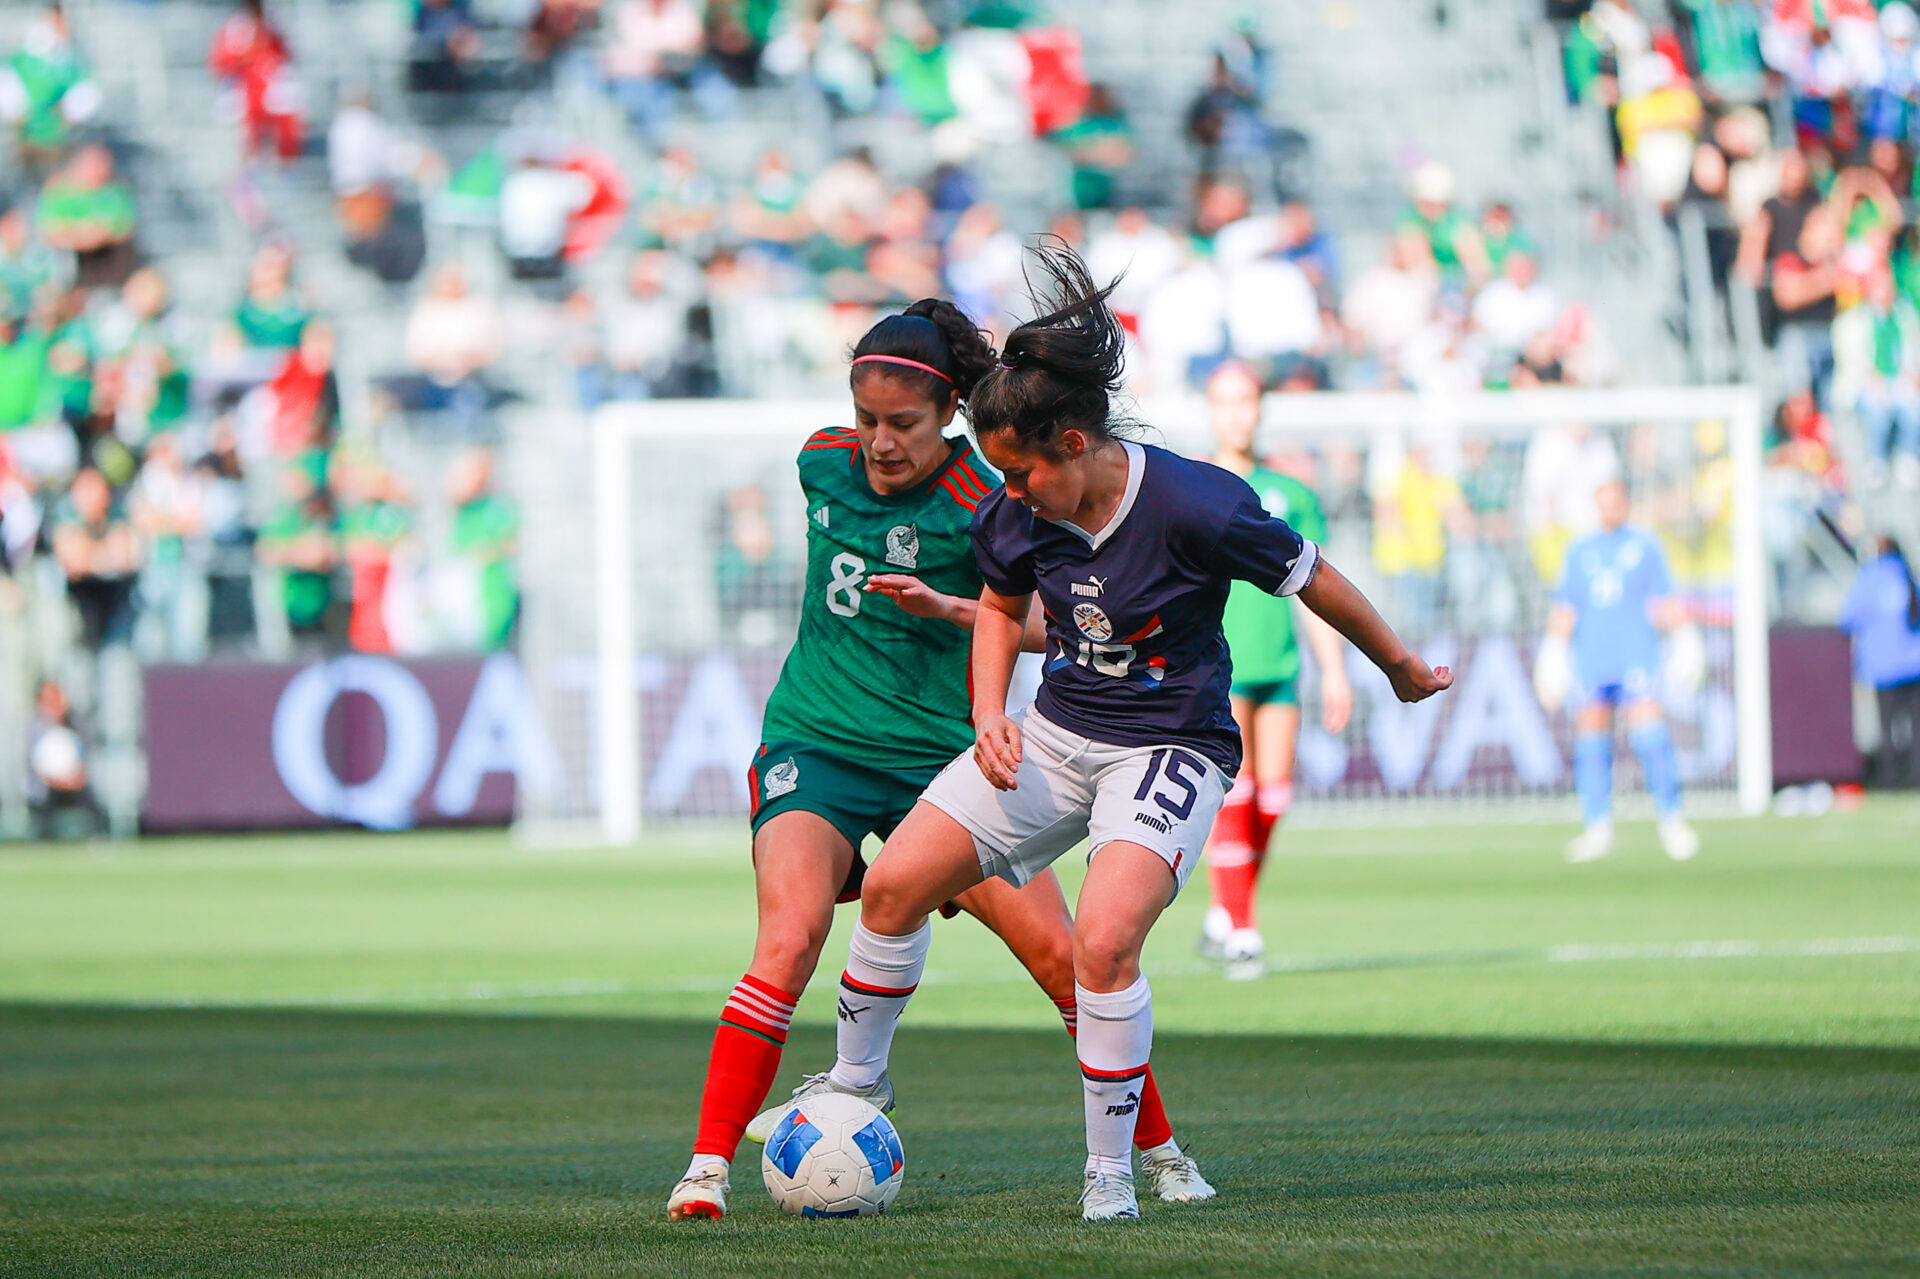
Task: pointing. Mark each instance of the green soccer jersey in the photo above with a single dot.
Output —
(866, 679)
(1259, 626)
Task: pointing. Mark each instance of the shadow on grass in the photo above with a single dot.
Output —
(310, 1142)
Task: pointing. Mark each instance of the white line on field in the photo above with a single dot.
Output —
(1573, 953)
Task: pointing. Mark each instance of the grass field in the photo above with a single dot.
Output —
(440, 1054)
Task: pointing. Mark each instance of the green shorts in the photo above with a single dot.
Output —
(858, 799)
(1269, 692)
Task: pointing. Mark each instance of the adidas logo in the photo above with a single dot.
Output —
(819, 517)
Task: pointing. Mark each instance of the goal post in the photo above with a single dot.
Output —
(695, 534)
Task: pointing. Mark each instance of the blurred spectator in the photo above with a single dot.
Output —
(1722, 42)
(1138, 252)
(754, 581)
(272, 312)
(452, 338)
(1412, 509)
(167, 508)
(222, 551)
(555, 27)
(1887, 109)
(445, 47)
(301, 402)
(46, 90)
(252, 60)
(23, 364)
(1882, 614)
(1100, 144)
(1444, 357)
(849, 184)
(1452, 235)
(1658, 117)
(1272, 316)
(27, 264)
(985, 266)
(1563, 465)
(376, 520)
(645, 331)
(486, 538)
(366, 159)
(1391, 302)
(915, 59)
(1804, 280)
(846, 43)
(96, 549)
(1183, 326)
(87, 211)
(143, 349)
(1514, 307)
(1797, 485)
(537, 201)
(1480, 580)
(1223, 121)
(1876, 372)
(657, 51)
(59, 792)
(1775, 230)
(1500, 234)
(682, 211)
(19, 525)
(300, 538)
(767, 213)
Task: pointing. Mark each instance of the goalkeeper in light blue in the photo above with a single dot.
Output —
(1602, 654)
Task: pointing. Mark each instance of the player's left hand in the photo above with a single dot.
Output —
(1336, 702)
(911, 594)
(1415, 681)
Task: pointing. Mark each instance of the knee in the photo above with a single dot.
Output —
(888, 903)
(1104, 960)
(1052, 966)
(787, 951)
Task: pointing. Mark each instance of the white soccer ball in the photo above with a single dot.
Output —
(833, 1156)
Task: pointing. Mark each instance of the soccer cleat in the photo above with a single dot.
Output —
(1245, 955)
(1214, 930)
(1174, 1177)
(1108, 1197)
(703, 1195)
(1678, 838)
(1591, 844)
(880, 1093)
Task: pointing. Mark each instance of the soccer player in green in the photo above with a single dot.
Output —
(873, 702)
(1265, 694)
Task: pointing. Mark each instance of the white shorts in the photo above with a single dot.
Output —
(1073, 788)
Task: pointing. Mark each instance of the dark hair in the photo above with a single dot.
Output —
(1062, 368)
(934, 332)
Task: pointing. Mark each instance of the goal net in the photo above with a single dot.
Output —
(663, 584)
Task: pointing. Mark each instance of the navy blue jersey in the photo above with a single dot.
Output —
(1135, 653)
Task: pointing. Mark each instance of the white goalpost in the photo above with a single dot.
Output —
(657, 613)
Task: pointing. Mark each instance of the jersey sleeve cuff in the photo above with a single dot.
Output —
(1302, 570)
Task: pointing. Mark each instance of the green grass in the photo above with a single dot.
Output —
(284, 1056)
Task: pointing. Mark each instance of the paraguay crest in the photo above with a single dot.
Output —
(1092, 621)
(782, 778)
(903, 546)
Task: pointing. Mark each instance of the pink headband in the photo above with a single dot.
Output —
(901, 359)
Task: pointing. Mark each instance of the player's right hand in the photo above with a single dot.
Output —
(996, 749)
(1415, 681)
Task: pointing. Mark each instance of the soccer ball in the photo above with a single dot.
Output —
(833, 1156)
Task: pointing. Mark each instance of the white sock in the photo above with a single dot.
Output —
(701, 1163)
(1168, 1149)
(881, 975)
(1116, 1039)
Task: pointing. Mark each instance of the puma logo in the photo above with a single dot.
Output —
(849, 1013)
(1127, 1107)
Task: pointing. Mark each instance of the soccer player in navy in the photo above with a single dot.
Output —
(1131, 741)
(1602, 652)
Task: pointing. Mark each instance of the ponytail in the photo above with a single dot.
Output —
(932, 340)
(1062, 368)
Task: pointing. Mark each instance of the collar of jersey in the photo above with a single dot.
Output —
(960, 447)
(1136, 471)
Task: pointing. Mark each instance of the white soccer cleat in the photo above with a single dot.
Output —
(879, 1094)
(1174, 1177)
(1679, 840)
(1108, 1197)
(1214, 930)
(702, 1195)
(1591, 844)
(1245, 955)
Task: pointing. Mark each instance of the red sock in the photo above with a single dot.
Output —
(1233, 891)
(746, 1056)
(1152, 1127)
(1270, 804)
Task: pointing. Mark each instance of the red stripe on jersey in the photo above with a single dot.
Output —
(830, 444)
(953, 491)
(970, 481)
(830, 433)
(884, 992)
(1144, 631)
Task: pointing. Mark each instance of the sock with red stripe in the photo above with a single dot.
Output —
(881, 975)
(746, 1057)
(1154, 1128)
(1230, 854)
(1270, 804)
(1115, 1040)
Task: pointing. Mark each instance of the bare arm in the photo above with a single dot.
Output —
(1340, 603)
(1336, 692)
(999, 623)
(921, 600)
(1560, 621)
